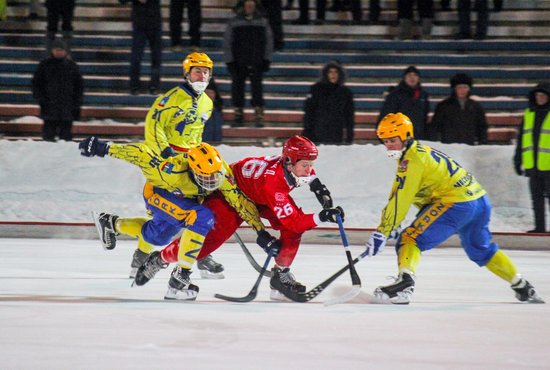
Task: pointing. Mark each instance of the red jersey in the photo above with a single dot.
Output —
(262, 179)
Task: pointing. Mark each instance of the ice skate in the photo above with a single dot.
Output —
(105, 224)
(138, 259)
(210, 269)
(400, 292)
(525, 292)
(180, 287)
(149, 269)
(283, 280)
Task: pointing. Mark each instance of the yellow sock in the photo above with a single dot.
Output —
(132, 227)
(190, 246)
(502, 266)
(408, 257)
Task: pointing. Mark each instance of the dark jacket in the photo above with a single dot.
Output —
(58, 87)
(145, 16)
(329, 110)
(414, 103)
(453, 124)
(540, 114)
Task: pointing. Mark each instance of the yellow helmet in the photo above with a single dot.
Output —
(197, 60)
(207, 165)
(395, 124)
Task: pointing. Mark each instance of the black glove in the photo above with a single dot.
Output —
(268, 243)
(168, 152)
(518, 169)
(92, 146)
(329, 215)
(231, 68)
(265, 65)
(321, 192)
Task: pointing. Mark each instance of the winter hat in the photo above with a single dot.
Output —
(411, 69)
(59, 44)
(461, 79)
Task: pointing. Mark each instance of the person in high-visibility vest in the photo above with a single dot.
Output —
(532, 157)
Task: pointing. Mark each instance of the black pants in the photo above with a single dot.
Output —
(273, 9)
(140, 35)
(239, 75)
(304, 9)
(52, 128)
(63, 11)
(540, 189)
(193, 15)
(464, 10)
(405, 9)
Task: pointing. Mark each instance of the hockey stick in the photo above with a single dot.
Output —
(254, 291)
(250, 258)
(355, 280)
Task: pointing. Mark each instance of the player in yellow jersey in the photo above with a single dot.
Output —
(179, 185)
(174, 124)
(450, 201)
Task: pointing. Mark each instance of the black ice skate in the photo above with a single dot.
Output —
(400, 292)
(525, 292)
(180, 287)
(138, 259)
(149, 269)
(283, 280)
(210, 269)
(105, 224)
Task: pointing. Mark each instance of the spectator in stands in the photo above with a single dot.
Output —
(58, 87)
(355, 7)
(248, 46)
(56, 9)
(146, 26)
(482, 22)
(194, 17)
(289, 4)
(459, 119)
(406, 22)
(532, 157)
(33, 9)
(274, 14)
(328, 109)
(409, 98)
(303, 19)
(213, 127)
(3, 10)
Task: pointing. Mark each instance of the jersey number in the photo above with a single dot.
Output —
(283, 211)
(254, 168)
(452, 165)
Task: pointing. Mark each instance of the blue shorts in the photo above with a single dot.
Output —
(168, 211)
(437, 222)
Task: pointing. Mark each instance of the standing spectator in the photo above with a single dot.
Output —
(274, 13)
(410, 99)
(248, 46)
(56, 9)
(33, 9)
(355, 7)
(213, 127)
(146, 26)
(58, 86)
(482, 22)
(459, 119)
(532, 157)
(303, 19)
(194, 17)
(329, 108)
(405, 18)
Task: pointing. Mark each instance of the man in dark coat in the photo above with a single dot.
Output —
(532, 157)
(329, 109)
(459, 119)
(410, 99)
(58, 86)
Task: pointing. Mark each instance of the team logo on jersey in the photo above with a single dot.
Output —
(403, 166)
(163, 102)
(167, 167)
(280, 197)
(190, 117)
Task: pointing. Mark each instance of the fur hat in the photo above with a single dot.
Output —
(411, 69)
(461, 79)
(59, 44)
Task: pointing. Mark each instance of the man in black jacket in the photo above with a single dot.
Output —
(58, 86)
(329, 109)
(248, 46)
(459, 119)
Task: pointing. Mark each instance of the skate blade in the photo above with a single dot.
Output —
(133, 273)
(205, 274)
(277, 296)
(182, 295)
(382, 298)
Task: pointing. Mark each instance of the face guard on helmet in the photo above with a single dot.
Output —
(207, 165)
(197, 60)
(295, 149)
(395, 125)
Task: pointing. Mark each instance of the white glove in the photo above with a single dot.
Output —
(376, 243)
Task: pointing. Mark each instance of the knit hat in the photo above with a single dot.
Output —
(411, 69)
(59, 44)
(461, 79)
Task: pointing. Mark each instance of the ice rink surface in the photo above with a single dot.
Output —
(68, 304)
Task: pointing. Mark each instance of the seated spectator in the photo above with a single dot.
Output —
(459, 119)
(329, 109)
(213, 127)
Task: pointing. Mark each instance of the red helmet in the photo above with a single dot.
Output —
(297, 148)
